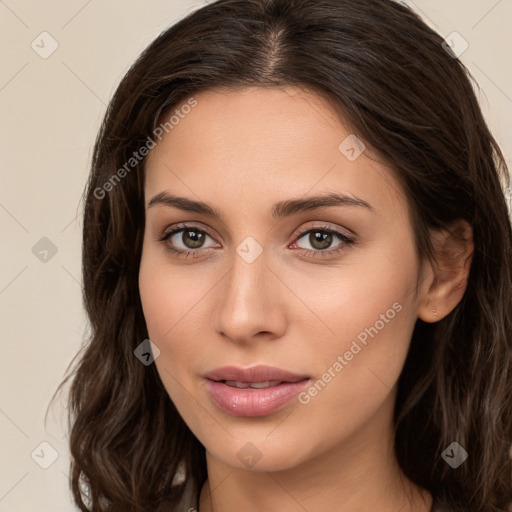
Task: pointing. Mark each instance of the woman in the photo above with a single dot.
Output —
(299, 204)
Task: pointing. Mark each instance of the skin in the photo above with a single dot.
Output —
(243, 151)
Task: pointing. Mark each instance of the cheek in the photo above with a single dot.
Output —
(371, 312)
(166, 301)
(356, 372)
(155, 298)
(168, 294)
(372, 294)
(173, 301)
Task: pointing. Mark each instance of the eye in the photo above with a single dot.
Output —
(189, 241)
(321, 240)
(186, 240)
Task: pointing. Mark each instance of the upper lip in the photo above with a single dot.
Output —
(259, 373)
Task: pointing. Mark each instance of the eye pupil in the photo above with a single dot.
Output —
(320, 239)
(197, 238)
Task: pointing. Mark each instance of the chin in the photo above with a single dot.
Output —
(253, 453)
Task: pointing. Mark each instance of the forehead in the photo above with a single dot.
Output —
(261, 144)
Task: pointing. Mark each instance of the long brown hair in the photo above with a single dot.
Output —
(409, 99)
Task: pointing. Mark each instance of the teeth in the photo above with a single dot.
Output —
(236, 384)
(254, 385)
(266, 384)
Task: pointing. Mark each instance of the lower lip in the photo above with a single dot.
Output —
(250, 401)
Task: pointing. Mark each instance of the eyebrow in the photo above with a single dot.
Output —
(279, 210)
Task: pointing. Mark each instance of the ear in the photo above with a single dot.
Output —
(445, 280)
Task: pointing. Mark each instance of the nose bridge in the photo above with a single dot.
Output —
(248, 295)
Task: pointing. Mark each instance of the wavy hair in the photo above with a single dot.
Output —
(412, 101)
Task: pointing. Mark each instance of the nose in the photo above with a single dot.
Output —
(250, 302)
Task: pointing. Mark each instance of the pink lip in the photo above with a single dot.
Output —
(250, 401)
(258, 373)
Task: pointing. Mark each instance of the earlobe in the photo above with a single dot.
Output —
(447, 277)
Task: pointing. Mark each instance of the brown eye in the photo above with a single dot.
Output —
(192, 238)
(322, 241)
(186, 240)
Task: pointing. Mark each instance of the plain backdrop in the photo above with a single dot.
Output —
(51, 108)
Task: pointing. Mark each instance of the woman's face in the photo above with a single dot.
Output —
(327, 293)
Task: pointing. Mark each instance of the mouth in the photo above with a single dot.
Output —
(252, 385)
(256, 391)
(259, 374)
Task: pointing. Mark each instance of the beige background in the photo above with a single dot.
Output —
(51, 110)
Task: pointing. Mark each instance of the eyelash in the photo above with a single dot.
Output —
(194, 253)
